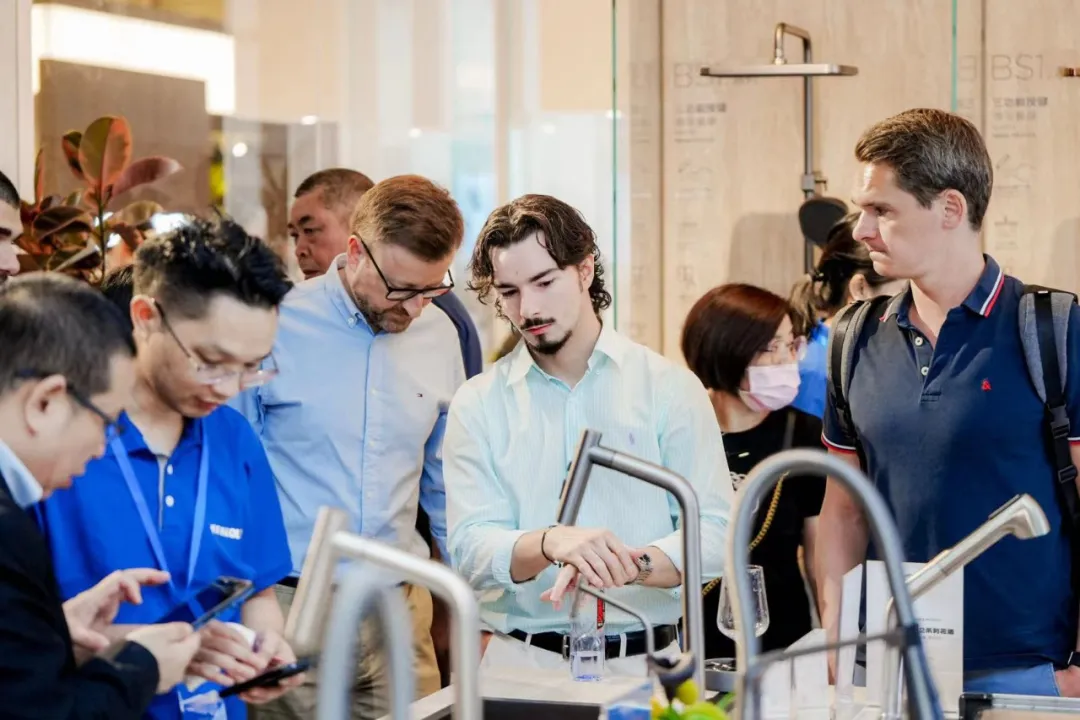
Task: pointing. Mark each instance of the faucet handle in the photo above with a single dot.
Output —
(672, 672)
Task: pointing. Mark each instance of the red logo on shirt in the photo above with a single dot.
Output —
(986, 385)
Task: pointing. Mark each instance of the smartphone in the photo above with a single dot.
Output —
(270, 678)
(213, 601)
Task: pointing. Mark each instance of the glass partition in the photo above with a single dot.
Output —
(251, 96)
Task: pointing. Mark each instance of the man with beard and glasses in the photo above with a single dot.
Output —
(185, 486)
(319, 225)
(512, 433)
(355, 419)
(10, 228)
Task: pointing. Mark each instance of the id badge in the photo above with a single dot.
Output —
(203, 703)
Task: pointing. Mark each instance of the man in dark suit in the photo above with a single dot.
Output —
(65, 374)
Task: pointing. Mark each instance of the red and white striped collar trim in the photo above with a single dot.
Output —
(981, 299)
(995, 291)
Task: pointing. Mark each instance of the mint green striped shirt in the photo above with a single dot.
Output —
(510, 436)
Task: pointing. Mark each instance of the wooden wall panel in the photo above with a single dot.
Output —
(1033, 224)
(640, 160)
(733, 148)
(167, 117)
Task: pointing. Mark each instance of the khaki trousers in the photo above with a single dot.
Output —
(371, 687)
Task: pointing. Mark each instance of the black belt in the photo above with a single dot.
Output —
(558, 643)
(292, 581)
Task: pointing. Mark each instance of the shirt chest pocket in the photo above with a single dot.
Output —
(402, 419)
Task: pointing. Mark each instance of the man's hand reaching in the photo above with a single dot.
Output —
(90, 613)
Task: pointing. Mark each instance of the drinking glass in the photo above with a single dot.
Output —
(725, 618)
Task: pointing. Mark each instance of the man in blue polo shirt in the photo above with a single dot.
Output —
(185, 486)
(943, 410)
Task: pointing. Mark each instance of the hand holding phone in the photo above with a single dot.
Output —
(213, 601)
(272, 678)
(226, 656)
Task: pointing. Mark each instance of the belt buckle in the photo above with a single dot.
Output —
(565, 647)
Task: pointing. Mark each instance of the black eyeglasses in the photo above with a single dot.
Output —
(401, 294)
(208, 374)
(112, 425)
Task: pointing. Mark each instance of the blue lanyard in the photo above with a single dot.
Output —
(149, 525)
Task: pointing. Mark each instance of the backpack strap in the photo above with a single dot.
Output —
(1044, 326)
(846, 331)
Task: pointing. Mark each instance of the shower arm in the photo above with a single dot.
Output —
(810, 178)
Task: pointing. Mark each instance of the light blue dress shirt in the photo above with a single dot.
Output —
(510, 437)
(355, 418)
(24, 487)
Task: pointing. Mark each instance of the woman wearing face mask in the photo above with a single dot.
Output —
(738, 340)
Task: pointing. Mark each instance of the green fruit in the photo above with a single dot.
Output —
(703, 711)
(687, 693)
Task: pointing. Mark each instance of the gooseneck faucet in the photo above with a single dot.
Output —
(591, 453)
(307, 618)
(356, 596)
(922, 698)
(1021, 516)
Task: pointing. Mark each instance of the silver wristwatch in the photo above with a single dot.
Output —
(644, 564)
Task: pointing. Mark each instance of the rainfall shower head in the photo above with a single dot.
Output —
(780, 67)
(807, 70)
(781, 70)
(818, 216)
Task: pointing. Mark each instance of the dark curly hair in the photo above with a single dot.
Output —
(186, 267)
(568, 238)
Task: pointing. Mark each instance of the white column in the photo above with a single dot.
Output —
(17, 104)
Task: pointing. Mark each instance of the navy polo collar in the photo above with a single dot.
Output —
(980, 300)
(984, 295)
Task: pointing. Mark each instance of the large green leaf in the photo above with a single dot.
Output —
(105, 152)
(143, 171)
(70, 144)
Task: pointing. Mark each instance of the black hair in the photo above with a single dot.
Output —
(185, 268)
(51, 324)
(567, 237)
(119, 287)
(341, 188)
(825, 291)
(8, 193)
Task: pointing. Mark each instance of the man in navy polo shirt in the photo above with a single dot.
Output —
(944, 412)
(186, 486)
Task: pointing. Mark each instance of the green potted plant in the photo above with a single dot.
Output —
(71, 234)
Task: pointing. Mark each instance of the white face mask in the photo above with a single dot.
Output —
(771, 386)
